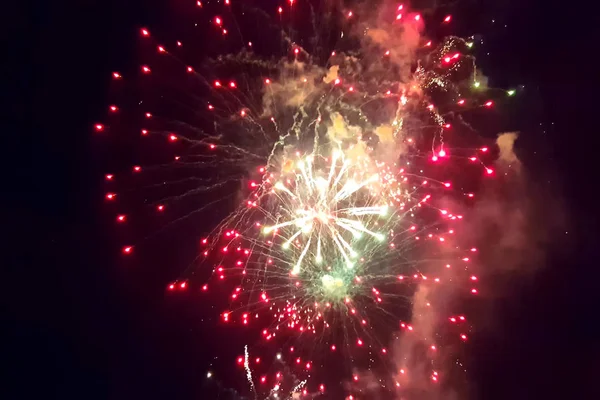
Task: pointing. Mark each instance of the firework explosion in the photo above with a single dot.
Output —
(351, 162)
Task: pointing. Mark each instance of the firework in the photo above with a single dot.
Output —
(347, 165)
(326, 208)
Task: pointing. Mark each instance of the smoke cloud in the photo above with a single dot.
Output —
(513, 224)
(505, 143)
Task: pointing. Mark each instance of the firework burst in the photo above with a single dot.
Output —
(347, 167)
(326, 208)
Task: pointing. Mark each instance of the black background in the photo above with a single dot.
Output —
(77, 327)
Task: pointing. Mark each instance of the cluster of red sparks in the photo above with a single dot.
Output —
(243, 258)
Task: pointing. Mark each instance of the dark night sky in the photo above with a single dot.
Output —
(78, 326)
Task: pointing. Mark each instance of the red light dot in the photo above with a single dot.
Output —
(267, 81)
(489, 171)
(127, 249)
(280, 10)
(442, 153)
(110, 196)
(172, 138)
(232, 84)
(240, 360)
(337, 81)
(99, 127)
(183, 285)
(448, 18)
(171, 286)
(398, 17)
(463, 336)
(489, 103)
(160, 207)
(296, 51)
(190, 69)
(217, 84)
(121, 218)
(461, 102)
(359, 342)
(428, 44)
(417, 17)
(145, 69)
(484, 149)
(447, 184)
(178, 43)
(137, 168)
(113, 108)
(116, 75)
(148, 115)
(263, 379)
(333, 347)
(161, 49)
(145, 32)
(109, 177)
(218, 21)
